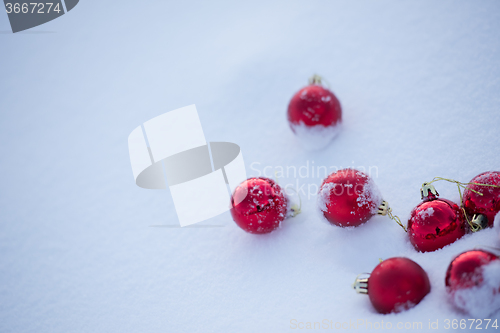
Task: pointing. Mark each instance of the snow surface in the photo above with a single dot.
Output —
(419, 83)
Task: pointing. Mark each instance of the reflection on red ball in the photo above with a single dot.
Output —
(314, 105)
(434, 224)
(489, 203)
(261, 205)
(397, 284)
(348, 198)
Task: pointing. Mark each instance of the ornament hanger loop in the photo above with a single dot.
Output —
(477, 223)
(384, 210)
(460, 184)
(426, 188)
(474, 226)
(316, 79)
(296, 209)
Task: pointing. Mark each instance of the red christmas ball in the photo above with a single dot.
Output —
(314, 115)
(261, 205)
(434, 224)
(348, 198)
(314, 105)
(397, 284)
(463, 271)
(473, 282)
(488, 203)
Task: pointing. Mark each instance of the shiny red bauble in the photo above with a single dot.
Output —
(488, 203)
(348, 198)
(435, 223)
(314, 105)
(473, 282)
(397, 284)
(262, 205)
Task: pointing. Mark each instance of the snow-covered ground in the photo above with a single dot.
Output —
(419, 83)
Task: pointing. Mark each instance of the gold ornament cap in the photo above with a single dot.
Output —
(480, 221)
(361, 284)
(426, 189)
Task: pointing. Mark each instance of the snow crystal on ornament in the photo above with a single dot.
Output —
(324, 196)
(400, 307)
(370, 196)
(323, 200)
(483, 300)
(426, 213)
(315, 137)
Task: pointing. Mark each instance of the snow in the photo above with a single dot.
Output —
(324, 194)
(315, 137)
(404, 306)
(426, 213)
(80, 250)
(370, 196)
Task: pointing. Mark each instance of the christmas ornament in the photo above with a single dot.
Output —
(395, 285)
(473, 282)
(348, 198)
(435, 222)
(481, 198)
(314, 114)
(262, 205)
